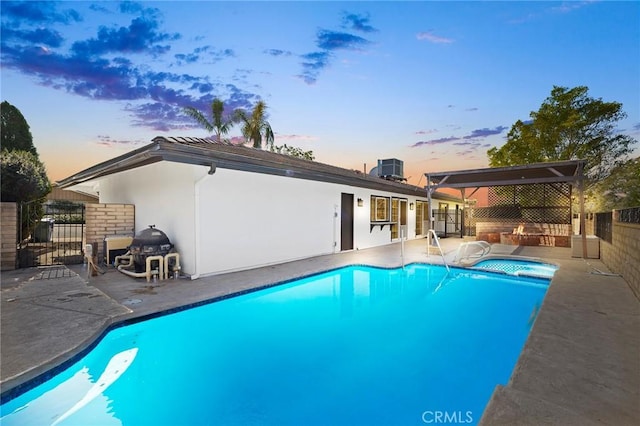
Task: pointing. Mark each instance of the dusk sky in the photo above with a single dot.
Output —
(435, 84)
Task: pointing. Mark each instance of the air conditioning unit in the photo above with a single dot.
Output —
(391, 168)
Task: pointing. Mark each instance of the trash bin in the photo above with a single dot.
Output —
(44, 230)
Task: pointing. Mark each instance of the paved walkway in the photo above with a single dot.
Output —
(581, 363)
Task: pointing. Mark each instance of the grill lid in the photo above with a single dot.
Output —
(151, 237)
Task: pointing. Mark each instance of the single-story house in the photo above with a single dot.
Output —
(228, 207)
(58, 194)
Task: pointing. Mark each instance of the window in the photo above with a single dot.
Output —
(398, 216)
(419, 216)
(379, 209)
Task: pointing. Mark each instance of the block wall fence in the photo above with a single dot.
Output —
(107, 220)
(9, 235)
(622, 255)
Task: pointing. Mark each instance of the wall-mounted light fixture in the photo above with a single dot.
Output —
(410, 206)
(360, 202)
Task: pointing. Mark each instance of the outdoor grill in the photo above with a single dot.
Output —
(148, 242)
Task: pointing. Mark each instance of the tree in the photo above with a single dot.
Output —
(619, 190)
(15, 130)
(24, 180)
(255, 126)
(24, 177)
(218, 124)
(569, 125)
(294, 152)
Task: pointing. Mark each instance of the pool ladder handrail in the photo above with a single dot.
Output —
(435, 237)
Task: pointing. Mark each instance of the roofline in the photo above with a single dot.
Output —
(132, 159)
(509, 168)
(164, 149)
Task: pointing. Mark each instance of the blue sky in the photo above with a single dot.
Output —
(435, 84)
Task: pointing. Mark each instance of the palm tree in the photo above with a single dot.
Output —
(218, 125)
(255, 126)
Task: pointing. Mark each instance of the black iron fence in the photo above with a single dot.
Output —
(630, 215)
(56, 237)
(604, 226)
(604, 221)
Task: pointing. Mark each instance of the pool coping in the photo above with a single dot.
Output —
(565, 374)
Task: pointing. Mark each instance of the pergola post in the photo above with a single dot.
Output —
(583, 227)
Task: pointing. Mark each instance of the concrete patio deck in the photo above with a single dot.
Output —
(580, 365)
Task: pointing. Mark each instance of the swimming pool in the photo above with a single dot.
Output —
(358, 345)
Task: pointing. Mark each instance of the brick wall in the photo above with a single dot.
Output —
(9, 237)
(105, 220)
(623, 254)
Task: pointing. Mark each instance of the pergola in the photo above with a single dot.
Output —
(552, 172)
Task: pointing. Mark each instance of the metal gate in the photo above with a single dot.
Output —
(448, 222)
(50, 234)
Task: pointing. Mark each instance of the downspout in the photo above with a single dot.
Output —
(196, 220)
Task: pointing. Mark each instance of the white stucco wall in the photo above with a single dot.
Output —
(243, 219)
(255, 219)
(163, 196)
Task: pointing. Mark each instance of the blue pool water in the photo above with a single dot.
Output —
(354, 346)
(518, 267)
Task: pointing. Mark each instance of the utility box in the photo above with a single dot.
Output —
(593, 246)
(44, 231)
(116, 245)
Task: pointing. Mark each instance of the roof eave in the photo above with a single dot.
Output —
(161, 150)
(141, 156)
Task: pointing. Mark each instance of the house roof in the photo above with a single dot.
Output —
(76, 194)
(209, 153)
(551, 172)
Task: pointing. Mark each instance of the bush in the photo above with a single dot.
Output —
(69, 219)
(24, 180)
(23, 177)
